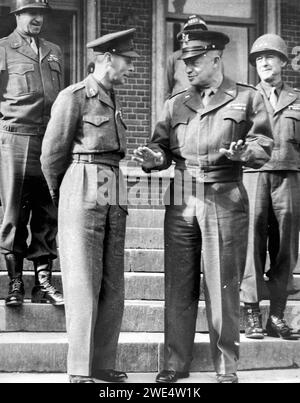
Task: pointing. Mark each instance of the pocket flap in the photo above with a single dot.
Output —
(55, 66)
(95, 120)
(179, 120)
(236, 115)
(292, 114)
(20, 68)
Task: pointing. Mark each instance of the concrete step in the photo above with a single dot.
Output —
(144, 286)
(258, 376)
(138, 286)
(138, 352)
(139, 316)
(137, 260)
(144, 260)
(144, 238)
(146, 218)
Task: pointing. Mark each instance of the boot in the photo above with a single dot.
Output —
(14, 265)
(253, 329)
(43, 291)
(276, 324)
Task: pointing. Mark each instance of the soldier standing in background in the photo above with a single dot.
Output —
(274, 195)
(30, 79)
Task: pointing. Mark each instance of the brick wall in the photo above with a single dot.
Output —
(135, 96)
(290, 20)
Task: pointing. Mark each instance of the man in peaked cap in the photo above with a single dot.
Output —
(30, 79)
(274, 196)
(177, 79)
(83, 145)
(210, 131)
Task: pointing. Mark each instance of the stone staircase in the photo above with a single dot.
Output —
(33, 338)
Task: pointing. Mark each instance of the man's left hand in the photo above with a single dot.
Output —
(236, 150)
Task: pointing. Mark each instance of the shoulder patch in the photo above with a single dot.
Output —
(247, 85)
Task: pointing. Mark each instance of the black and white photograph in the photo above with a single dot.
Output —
(149, 194)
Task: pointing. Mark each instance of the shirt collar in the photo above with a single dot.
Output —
(268, 88)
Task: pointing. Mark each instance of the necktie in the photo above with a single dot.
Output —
(205, 95)
(33, 46)
(273, 98)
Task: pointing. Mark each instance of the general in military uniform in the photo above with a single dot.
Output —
(83, 145)
(274, 195)
(30, 79)
(210, 131)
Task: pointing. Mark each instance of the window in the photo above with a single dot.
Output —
(242, 20)
(239, 19)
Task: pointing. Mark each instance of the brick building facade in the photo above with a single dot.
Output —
(290, 31)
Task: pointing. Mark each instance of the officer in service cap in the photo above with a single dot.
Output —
(30, 79)
(274, 196)
(83, 146)
(210, 131)
(176, 79)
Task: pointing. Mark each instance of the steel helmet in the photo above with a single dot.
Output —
(268, 42)
(23, 5)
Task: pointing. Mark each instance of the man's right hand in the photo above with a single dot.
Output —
(148, 158)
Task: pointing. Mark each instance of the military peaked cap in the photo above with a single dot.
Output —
(119, 43)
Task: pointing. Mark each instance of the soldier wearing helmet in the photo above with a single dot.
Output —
(30, 79)
(274, 196)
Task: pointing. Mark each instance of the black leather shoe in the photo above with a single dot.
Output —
(277, 327)
(253, 328)
(110, 375)
(15, 293)
(167, 376)
(227, 378)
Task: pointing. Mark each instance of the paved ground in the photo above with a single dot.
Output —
(267, 376)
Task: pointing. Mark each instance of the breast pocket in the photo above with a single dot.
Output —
(96, 131)
(292, 123)
(179, 132)
(234, 126)
(21, 79)
(56, 75)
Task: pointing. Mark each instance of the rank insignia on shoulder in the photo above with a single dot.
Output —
(53, 58)
(295, 107)
(93, 92)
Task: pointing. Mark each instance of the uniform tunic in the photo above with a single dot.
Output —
(84, 142)
(274, 196)
(207, 215)
(29, 84)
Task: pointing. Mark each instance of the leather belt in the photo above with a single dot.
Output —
(19, 128)
(106, 159)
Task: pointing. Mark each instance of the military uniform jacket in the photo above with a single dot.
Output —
(285, 122)
(84, 120)
(192, 136)
(29, 83)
